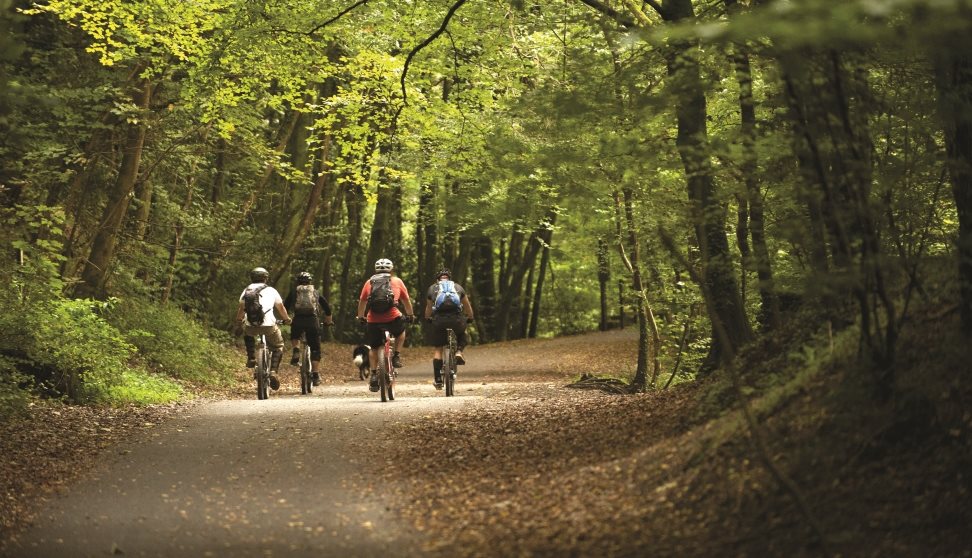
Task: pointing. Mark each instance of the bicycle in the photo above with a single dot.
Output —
(386, 370)
(305, 367)
(449, 363)
(262, 370)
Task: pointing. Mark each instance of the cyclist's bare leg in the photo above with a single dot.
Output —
(373, 360)
(295, 354)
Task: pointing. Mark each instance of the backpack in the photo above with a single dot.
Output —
(447, 299)
(306, 300)
(251, 305)
(382, 298)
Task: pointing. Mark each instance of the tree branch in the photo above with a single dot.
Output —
(611, 13)
(427, 42)
(317, 28)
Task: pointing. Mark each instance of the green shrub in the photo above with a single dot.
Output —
(88, 355)
(174, 344)
(142, 388)
(13, 398)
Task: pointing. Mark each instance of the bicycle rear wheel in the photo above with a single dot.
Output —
(383, 363)
(450, 365)
(305, 379)
(263, 379)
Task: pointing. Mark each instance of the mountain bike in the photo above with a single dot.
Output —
(449, 363)
(305, 367)
(262, 370)
(386, 371)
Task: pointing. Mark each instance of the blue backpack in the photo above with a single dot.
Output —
(447, 299)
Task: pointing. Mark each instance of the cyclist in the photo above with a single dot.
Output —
(269, 300)
(380, 297)
(308, 306)
(447, 307)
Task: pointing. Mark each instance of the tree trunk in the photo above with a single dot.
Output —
(354, 200)
(603, 277)
(723, 302)
(95, 272)
(523, 301)
(177, 238)
(770, 314)
(307, 210)
(484, 286)
(547, 238)
(426, 237)
(517, 268)
(953, 71)
(225, 244)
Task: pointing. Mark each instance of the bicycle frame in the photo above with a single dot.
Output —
(449, 363)
(306, 384)
(386, 371)
(263, 367)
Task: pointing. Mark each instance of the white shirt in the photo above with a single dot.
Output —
(268, 298)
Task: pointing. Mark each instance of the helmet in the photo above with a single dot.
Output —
(442, 272)
(259, 275)
(384, 264)
(304, 278)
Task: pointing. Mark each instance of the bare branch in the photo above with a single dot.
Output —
(427, 42)
(611, 13)
(316, 28)
(337, 17)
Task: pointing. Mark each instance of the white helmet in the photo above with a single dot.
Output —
(384, 264)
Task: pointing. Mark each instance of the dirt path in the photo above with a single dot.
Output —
(281, 477)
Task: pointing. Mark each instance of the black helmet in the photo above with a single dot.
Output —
(259, 275)
(304, 278)
(442, 272)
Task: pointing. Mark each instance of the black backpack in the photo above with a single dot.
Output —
(382, 298)
(252, 307)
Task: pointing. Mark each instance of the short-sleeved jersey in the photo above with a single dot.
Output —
(398, 289)
(268, 298)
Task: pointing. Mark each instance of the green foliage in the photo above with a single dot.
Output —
(14, 398)
(173, 344)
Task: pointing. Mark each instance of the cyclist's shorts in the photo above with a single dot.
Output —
(436, 332)
(308, 324)
(375, 332)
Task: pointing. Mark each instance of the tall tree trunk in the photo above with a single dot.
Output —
(517, 267)
(953, 69)
(603, 277)
(723, 302)
(95, 272)
(648, 339)
(143, 193)
(770, 315)
(219, 180)
(484, 286)
(547, 238)
(354, 200)
(307, 210)
(225, 245)
(523, 302)
(177, 238)
(426, 236)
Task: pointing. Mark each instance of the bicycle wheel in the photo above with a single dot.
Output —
(383, 363)
(263, 379)
(450, 365)
(305, 384)
(309, 369)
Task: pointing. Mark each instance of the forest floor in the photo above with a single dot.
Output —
(520, 464)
